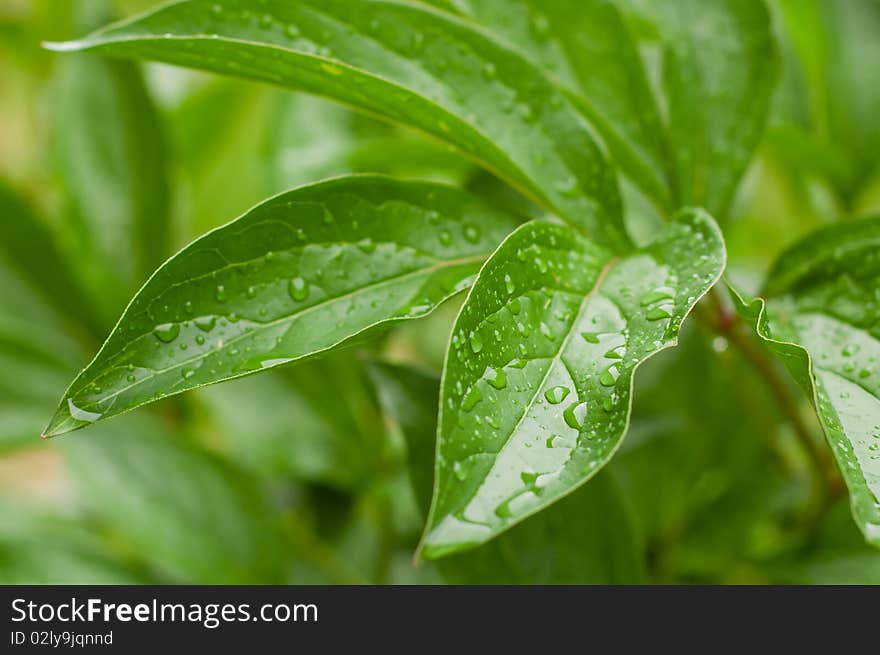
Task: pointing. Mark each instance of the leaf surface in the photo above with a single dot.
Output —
(587, 538)
(407, 63)
(299, 274)
(110, 155)
(537, 382)
(820, 315)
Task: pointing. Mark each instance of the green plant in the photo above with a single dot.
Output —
(624, 130)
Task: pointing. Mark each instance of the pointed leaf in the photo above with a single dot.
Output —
(407, 63)
(587, 538)
(537, 382)
(820, 315)
(299, 274)
(109, 151)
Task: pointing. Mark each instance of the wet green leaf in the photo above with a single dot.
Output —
(297, 275)
(714, 64)
(587, 46)
(587, 538)
(679, 91)
(109, 150)
(404, 62)
(537, 382)
(820, 315)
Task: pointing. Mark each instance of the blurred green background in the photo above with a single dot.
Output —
(300, 475)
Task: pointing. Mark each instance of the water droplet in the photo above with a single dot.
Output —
(509, 284)
(366, 246)
(541, 26)
(864, 373)
(656, 313)
(445, 237)
(608, 377)
(515, 306)
(459, 471)
(616, 353)
(575, 415)
(188, 307)
(266, 21)
(655, 296)
(187, 373)
(551, 439)
(251, 292)
(527, 112)
(567, 186)
(205, 323)
(298, 289)
(200, 339)
(590, 337)
(496, 377)
(220, 295)
(472, 398)
(556, 395)
(850, 350)
(130, 377)
(167, 332)
(489, 71)
(328, 217)
(476, 342)
(471, 233)
(516, 363)
(292, 31)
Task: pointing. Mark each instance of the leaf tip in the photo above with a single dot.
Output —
(62, 46)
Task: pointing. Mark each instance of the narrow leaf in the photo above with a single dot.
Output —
(404, 62)
(820, 315)
(109, 150)
(588, 538)
(537, 382)
(299, 274)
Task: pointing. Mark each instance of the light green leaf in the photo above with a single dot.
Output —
(297, 275)
(109, 151)
(587, 46)
(820, 315)
(538, 378)
(404, 62)
(587, 538)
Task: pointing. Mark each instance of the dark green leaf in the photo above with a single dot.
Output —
(713, 64)
(184, 512)
(295, 276)
(538, 378)
(587, 538)
(404, 62)
(820, 315)
(110, 154)
(587, 46)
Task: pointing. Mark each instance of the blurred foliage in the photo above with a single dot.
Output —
(300, 475)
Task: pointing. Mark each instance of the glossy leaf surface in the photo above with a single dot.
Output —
(299, 274)
(679, 91)
(587, 538)
(537, 382)
(820, 314)
(407, 63)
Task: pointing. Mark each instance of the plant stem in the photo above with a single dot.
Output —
(730, 326)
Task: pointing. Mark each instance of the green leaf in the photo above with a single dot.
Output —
(30, 248)
(587, 538)
(297, 275)
(820, 315)
(183, 511)
(537, 382)
(109, 151)
(587, 46)
(680, 106)
(404, 62)
(713, 65)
